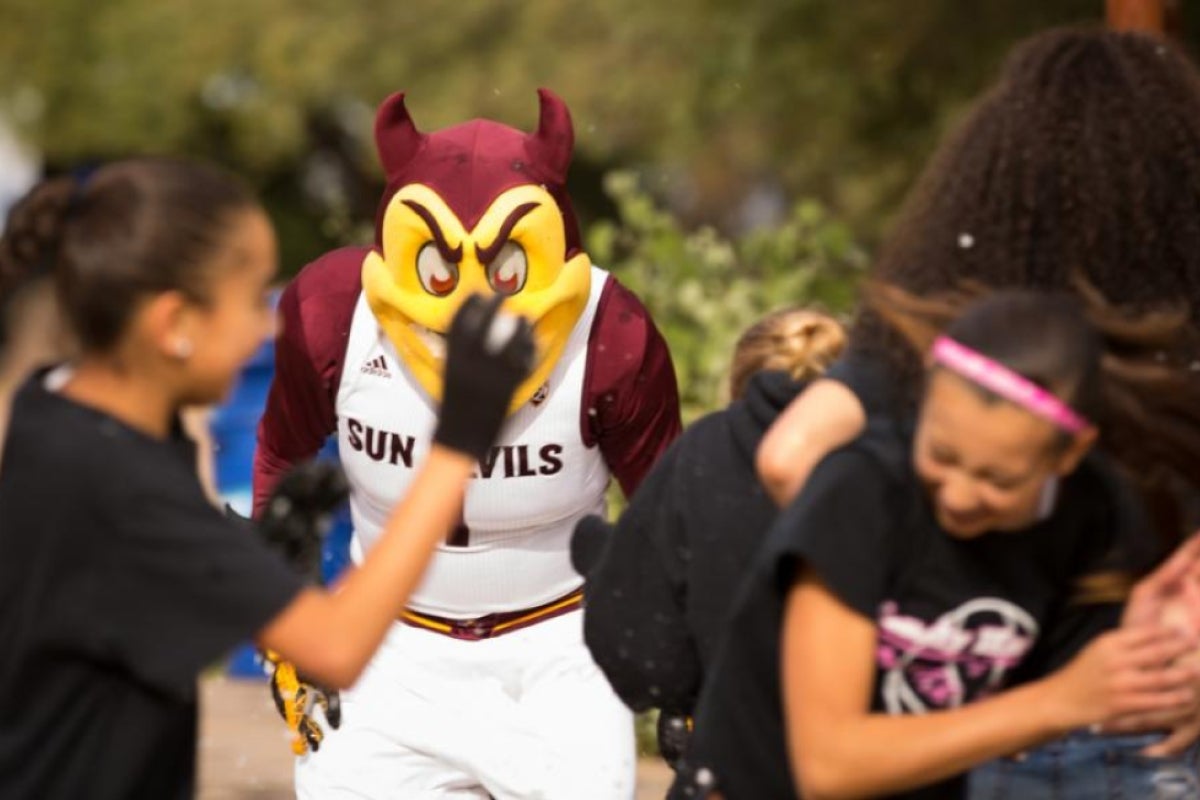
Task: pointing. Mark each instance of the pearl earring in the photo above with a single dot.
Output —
(183, 348)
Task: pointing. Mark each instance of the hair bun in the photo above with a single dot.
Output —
(33, 232)
(31, 240)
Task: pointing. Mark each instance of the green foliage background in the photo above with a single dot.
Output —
(838, 100)
(704, 288)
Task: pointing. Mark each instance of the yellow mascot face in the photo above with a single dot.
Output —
(477, 208)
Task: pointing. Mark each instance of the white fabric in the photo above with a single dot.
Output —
(522, 508)
(524, 716)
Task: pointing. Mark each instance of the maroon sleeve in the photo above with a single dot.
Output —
(631, 402)
(315, 312)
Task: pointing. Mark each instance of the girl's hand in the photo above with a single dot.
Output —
(1172, 590)
(1169, 596)
(1125, 673)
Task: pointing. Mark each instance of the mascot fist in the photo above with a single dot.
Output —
(296, 699)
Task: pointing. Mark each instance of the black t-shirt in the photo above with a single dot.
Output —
(661, 581)
(955, 617)
(881, 391)
(875, 384)
(119, 583)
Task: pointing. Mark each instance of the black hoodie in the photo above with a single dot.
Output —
(660, 582)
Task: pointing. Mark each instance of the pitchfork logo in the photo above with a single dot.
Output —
(963, 655)
(377, 367)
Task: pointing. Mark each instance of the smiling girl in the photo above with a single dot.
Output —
(897, 599)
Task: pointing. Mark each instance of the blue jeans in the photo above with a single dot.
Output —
(1084, 766)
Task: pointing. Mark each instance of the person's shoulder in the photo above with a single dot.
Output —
(880, 453)
(1100, 497)
(712, 424)
(40, 425)
(621, 318)
(1098, 487)
(705, 447)
(317, 306)
(82, 450)
(629, 378)
(617, 299)
(333, 275)
(1097, 470)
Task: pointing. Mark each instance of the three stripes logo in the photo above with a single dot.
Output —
(377, 367)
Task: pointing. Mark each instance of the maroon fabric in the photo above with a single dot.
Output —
(629, 381)
(315, 310)
(631, 401)
(471, 164)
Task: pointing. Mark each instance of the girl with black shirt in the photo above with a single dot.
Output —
(900, 593)
(119, 581)
(1077, 170)
(660, 581)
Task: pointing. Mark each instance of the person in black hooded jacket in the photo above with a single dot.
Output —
(661, 580)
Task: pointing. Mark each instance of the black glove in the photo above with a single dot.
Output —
(481, 375)
(299, 514)
(589, 543)
(674, 733)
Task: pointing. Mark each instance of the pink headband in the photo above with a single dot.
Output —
(996, 377)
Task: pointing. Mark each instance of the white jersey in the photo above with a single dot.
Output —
(527, 495)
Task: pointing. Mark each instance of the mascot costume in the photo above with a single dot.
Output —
(484, 688)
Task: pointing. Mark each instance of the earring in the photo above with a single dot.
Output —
(182, 348)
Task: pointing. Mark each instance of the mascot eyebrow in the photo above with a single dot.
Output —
(452, 255)
(487, 254)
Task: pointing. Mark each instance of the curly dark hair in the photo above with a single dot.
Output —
(1082, 161)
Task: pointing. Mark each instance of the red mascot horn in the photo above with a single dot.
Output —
(396, 137)
(550, 145)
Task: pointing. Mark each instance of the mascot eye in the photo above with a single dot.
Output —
(438, 276)
(508, 269)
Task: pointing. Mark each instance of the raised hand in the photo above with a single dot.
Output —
(1170, 594)
(487, 357)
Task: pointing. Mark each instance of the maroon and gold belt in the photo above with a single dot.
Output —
(492, 625)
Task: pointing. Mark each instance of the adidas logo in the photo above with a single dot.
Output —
(377, 367)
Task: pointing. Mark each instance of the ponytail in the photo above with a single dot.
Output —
(136, 227)
(797, 341)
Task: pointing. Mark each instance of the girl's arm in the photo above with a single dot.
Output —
(824, 417)
(838, 748)
(330, 636)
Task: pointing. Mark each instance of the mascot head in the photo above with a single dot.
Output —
(479, 207)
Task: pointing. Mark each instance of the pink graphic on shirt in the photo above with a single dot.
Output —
(961, 656)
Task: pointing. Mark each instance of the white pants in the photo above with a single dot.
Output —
(524, 715)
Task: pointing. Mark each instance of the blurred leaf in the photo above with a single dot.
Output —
(704, 289)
